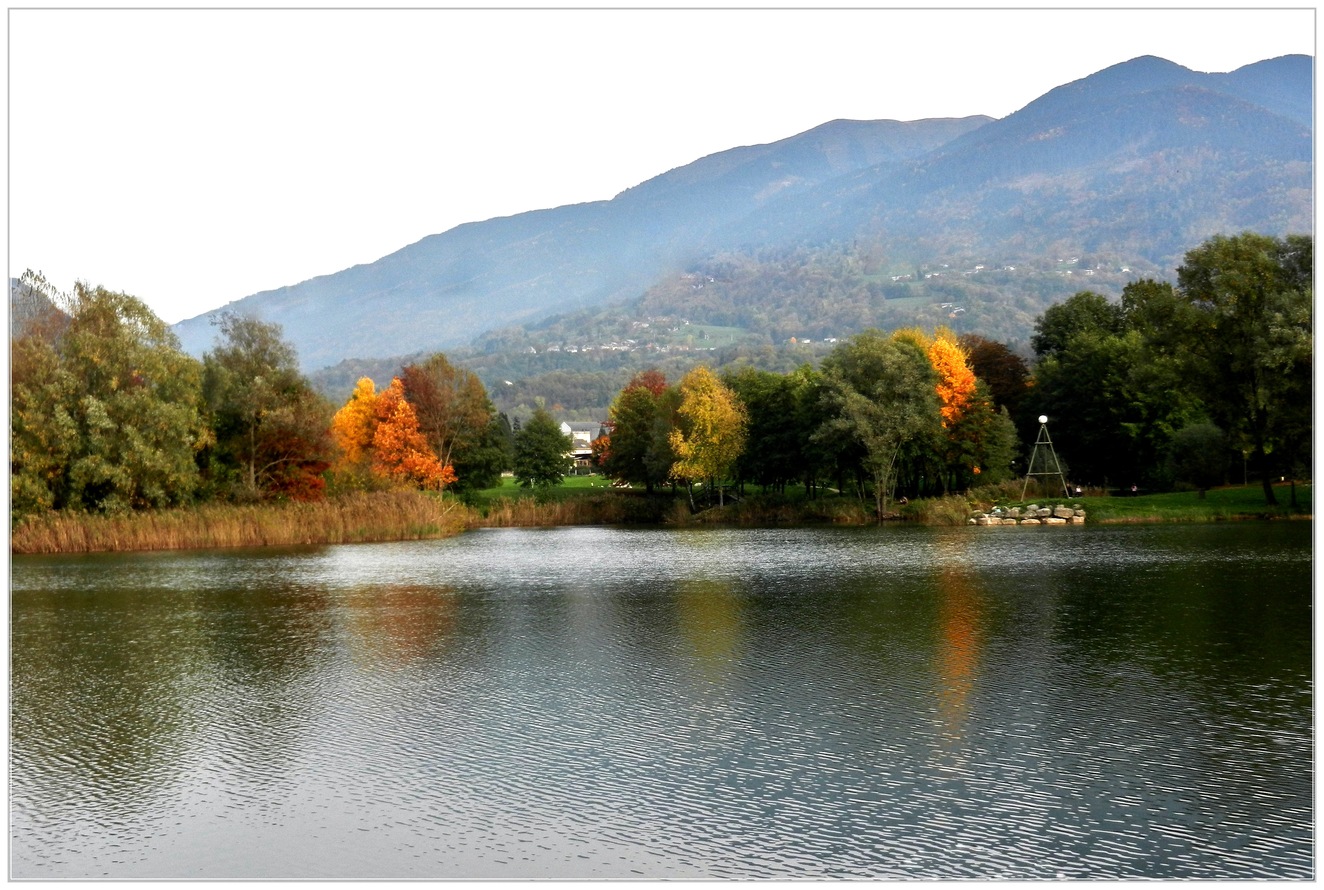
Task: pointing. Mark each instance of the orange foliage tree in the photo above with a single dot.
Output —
(956, 382)
(400, 451)
(378, 433)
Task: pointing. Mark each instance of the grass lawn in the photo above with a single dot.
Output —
(570, 487)
(1186, 506)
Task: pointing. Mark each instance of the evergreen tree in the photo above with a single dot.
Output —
(542, 452)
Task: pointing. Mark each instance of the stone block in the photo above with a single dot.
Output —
(1063, 512)
(1055, 520)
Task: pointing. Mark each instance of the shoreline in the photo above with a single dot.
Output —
(407, 515)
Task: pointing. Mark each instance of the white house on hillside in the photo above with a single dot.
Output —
(583, 435)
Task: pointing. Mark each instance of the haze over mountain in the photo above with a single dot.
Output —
(1139, 163)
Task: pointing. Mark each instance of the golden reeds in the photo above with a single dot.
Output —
(351, 518)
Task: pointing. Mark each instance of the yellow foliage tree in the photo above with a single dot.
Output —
(354, 425)
(713, 424)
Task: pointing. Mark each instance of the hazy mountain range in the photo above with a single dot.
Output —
(1138, 163)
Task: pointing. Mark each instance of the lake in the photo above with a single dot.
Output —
(1097, 702)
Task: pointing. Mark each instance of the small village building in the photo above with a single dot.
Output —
(582, 436)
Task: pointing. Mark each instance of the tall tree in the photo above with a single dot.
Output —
(353, 427)
(1086, 388)
(631, 419)
(453, 409)
(883, 395)
(542, 451)
(115, 400)
(1086, 311)
(43, 436)
(712, 430)
(1244, 318)
(270, 426)
(776, 453)
(400, 451)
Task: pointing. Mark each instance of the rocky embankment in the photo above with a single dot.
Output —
(1031, 515)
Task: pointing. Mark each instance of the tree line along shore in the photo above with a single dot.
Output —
(121, 441)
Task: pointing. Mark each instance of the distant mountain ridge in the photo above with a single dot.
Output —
(1142, 160)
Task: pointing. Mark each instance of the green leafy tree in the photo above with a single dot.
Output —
(1085, 387)
(271, 428)
(883, 395)
(775, 455)
(120, 405)
(481, 461)
(661, 457)
(981, 444)
(1198, 454)
(542, 452)
(631, 420)
(43, 434)
(712, 430)
(1243, 319)
(1086, 311)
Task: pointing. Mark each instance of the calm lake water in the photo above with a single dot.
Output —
(1096, 702)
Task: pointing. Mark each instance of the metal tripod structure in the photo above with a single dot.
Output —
(1047, 441)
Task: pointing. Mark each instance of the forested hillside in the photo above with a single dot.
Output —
(1117, 174)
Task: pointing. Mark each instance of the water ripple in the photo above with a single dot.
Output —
(606, 703)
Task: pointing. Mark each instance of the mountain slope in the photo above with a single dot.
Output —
(449, 287)
(1138, 163)
(1142, 160)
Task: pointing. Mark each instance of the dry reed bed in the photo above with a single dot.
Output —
(611, 509)
(351, 518)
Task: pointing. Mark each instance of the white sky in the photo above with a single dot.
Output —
(192, 157)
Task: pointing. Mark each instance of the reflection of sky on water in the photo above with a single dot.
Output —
(587, 703)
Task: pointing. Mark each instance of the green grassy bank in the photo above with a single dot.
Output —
(1218, 504)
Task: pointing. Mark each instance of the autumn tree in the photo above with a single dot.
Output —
(542, 451)
(457, 418)
(400, 451)
(712, 430)
(352, 429)
(956, 382)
